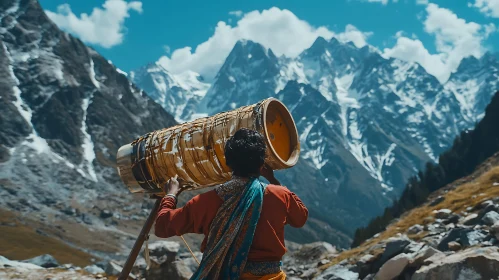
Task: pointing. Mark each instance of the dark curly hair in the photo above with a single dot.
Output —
(245, 152)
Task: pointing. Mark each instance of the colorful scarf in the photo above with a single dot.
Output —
(232, 230)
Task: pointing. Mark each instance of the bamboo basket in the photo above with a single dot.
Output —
(195, 150)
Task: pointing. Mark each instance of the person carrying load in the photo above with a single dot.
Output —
(243, 219)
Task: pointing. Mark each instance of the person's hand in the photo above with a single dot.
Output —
(268, 173)
(173, 186)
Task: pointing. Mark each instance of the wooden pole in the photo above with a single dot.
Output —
(140, 240)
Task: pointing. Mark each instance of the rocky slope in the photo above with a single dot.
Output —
(65, 110)
(468, 151)
(366, 123)
(452, 236)
(455, 235)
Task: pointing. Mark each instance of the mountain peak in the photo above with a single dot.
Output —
(246, 51)
(489, 57)
(320, 42)
(467, 64)
(248, 46)
(334, 41)
(318, 47)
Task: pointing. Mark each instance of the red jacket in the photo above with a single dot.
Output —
(280, 207)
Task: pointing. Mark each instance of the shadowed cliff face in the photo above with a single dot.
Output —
(65, 111)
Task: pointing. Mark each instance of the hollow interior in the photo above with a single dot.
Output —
(281, 132)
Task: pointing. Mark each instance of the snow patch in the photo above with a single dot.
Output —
(88, 145)
(344, 99)
(22, 107)
(92, 74)
(122, 72)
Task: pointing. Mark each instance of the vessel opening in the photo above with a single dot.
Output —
(281, 132)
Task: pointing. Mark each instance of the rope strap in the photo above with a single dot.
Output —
(194, 256)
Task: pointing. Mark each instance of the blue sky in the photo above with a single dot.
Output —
(133, 33)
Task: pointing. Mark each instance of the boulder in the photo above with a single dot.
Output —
(449, 226)
(470, 264)
(93, 269)
(425, 253)
(292, 247)
(369, 277)
(494, 229)
(366, 258)
(432, 240)
(414, 248)
(6, 263)
(435, 228)
(339, 271)
(452, 219)
(180, 271)
(163, 252)
(489, 207)
(442, 213)
(453, 235)
(473, 237)
(113, 268)
(486, 203)
(45, 261)
(104, 214)
(189, 261)
(415, 229)
(428, 220)
(437, 200)
(323, 262)
(471, 219)
(393, 267)
(394, 246)
(365, 265)
(309, 273)
(315, 251)
(491, 218)
(454, 246)
(163, 247)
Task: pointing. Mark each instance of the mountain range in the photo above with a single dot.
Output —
(366, 122)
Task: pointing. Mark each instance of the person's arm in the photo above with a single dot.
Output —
(297, 212)
(268, 173)
(174, 222)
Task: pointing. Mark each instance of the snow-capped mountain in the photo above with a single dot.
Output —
(366, 123)
(64, 112)
(178, 94)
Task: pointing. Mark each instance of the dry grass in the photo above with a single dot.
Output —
(18, 242)
(457, 200)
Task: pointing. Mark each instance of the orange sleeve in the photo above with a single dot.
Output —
(175, 222)
(297, 212)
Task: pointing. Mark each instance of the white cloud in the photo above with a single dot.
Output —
(236, 13)
(279, 30)
(352, 34)
(455, 39)
(384, 2)
(167, 49)
(488, 7)
(104, 27)
(422, 2)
